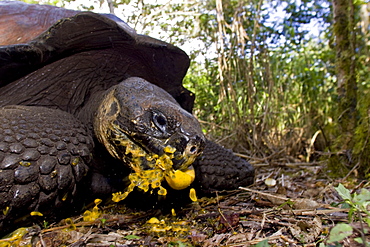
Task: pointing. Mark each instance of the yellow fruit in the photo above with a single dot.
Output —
(35, 213)
(193, 195)
(153, 220)
(179, 180)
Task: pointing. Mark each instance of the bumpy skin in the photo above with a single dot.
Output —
(219, 169)
(43, 157)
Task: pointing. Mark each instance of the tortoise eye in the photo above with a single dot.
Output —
(159, 120)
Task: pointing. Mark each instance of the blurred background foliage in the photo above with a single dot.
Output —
(264, 72)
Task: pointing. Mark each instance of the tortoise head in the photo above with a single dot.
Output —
(142, 125)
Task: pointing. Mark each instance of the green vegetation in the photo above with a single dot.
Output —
(276, 88)
(358, 204)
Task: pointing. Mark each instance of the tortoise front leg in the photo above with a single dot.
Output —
(43, 156)
(219, 169)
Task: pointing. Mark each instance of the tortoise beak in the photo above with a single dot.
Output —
(188, 148)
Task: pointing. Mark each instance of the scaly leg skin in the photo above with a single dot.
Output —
(219, 169)
(43, 158)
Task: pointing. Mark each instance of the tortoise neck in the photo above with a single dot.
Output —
(89, 110)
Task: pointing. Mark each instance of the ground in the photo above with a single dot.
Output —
(290, 204)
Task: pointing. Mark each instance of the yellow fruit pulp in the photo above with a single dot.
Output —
(180, 180)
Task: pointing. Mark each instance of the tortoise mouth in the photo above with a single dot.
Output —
(151, 155)
(150, 169)
(135, 155)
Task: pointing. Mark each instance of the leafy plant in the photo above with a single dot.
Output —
(45, 224)
(340, 232)
(131, 237)
(179, 244)
(263, 243)
(358, 204)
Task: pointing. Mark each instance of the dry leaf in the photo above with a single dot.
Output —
(307, 231)
(216, 240)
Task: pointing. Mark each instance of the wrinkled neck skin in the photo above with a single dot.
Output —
(137, 122)
(89, 110)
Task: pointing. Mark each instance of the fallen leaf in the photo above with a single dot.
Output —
(307, 231)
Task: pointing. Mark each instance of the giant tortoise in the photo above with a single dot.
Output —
(90, 105)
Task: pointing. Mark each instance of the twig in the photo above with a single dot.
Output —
(82, 239)
(226, 221)
(265, 194)
(213, 124)
(248, 157)
(349, 173)
(84, 223)
(297, 212)
(224, 138)
(362, 227)
(260, 159)
(297, 164)
(256, 241)
(222, 215)
(361, 185)
(306, 212)
(262, 224)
